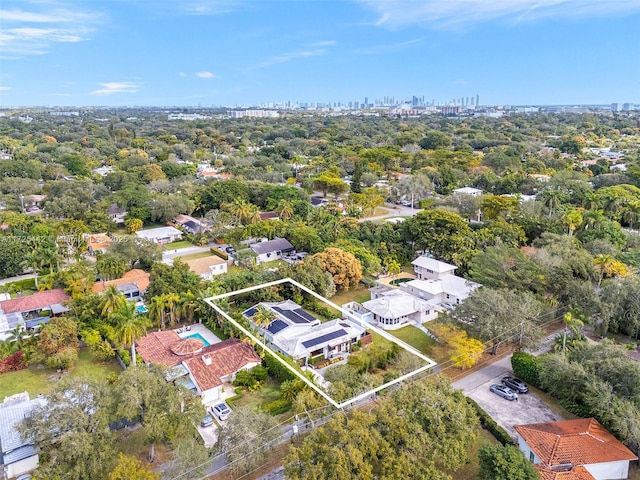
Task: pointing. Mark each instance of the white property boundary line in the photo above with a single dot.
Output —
(430, 363)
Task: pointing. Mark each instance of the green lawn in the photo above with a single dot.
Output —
(416, 338)
(195, 256)
(37, 379)
(177, 245)
(269, 392)
(360, 294)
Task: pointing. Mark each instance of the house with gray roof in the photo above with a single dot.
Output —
(17, 456)
(272, 250)
(160, 235)
(391, 309)
(301, 336)
(437, 283)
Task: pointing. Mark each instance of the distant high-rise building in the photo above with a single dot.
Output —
(366, 102)
(477, 99)
(614, 107)
(627, 107)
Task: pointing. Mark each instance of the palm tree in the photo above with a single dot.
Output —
(32, 261)
(157, 311)
(17, 337)
(171, 303)
(572, 323)
(112, 301)
(393, 268)
(285, 209)
(187, 306)
(263, 317)
(241, 209)
(129, 327)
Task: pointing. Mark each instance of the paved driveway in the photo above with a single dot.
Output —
(527, 409)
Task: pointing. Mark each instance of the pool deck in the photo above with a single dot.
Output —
(388, 279)
(201, 329)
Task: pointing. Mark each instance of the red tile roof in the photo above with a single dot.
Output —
(156, 348)
(227, 357)
(137, 276)
(578, 442)
(575, 473)
(36, 301)
(224, 358)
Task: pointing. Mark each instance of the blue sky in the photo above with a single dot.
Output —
(238, 52)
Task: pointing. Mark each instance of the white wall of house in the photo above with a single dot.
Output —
(610, 470)
(25, 465)
(526, 450)
(214, 270)
(211, 395)
(269, 257)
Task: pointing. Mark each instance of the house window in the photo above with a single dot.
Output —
(448, 296)
(531, 456)
(429, 271)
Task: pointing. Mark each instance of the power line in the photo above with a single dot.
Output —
(449, 364)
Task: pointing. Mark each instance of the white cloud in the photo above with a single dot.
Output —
(110, 88)
(325, 43)
(4, 89)
(392, 47)
(452, 13)
(205, 75)
(36, 30)
(182, 74)
(287, 57)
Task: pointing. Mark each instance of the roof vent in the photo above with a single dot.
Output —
(207, 360)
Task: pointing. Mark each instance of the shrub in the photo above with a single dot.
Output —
(13, 362)
(526, 367)
(219, 253)
(489, 424)
(276, 369)
(277, 406)
(21, 285)
(260, 373)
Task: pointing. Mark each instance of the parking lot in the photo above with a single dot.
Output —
(527, 409)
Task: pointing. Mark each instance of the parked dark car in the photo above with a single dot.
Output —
(515, 384)
(230, 250)
(504, 392)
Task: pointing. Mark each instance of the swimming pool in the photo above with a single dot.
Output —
(141, 309)
(199, 337)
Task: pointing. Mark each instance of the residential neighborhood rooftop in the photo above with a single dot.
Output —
(135, 278)
(277, 244)
(578, 442)
(36, 301)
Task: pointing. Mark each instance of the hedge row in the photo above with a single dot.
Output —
(219, 253)
(277, 406)
(489, 424)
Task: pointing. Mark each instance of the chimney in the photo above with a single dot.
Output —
(206, 359)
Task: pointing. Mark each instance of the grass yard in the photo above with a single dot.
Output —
(269, 392)
(37, 379)
(177, 245)
(416, 338)
(360, 294)
(195, 256)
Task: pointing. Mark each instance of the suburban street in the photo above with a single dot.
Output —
(393, 211)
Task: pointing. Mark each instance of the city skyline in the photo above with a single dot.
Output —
(226, 52)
